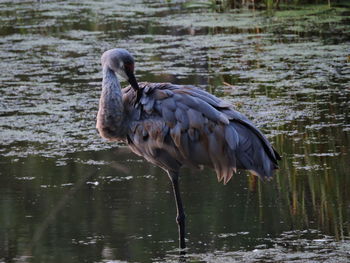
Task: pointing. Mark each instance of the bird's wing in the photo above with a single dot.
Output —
(177, 125)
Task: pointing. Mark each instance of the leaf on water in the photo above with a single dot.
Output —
(199, 4)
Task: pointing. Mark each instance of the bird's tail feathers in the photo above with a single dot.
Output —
(245, 150)
(252, 153)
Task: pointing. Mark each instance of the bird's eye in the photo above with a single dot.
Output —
(129, 67)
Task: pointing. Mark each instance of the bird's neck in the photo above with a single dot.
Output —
(111, 117)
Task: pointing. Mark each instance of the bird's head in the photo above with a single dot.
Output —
(122, 63)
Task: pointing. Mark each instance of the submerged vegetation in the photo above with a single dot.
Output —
(277, 16)
(224, 5)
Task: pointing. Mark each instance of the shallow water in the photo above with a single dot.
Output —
(68, 196)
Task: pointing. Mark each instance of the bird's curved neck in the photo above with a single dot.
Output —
(110, 117)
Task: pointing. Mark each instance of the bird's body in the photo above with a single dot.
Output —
(173, 125)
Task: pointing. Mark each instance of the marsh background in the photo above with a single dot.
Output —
(68, 196)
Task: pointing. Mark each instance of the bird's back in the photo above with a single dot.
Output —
(174, 125)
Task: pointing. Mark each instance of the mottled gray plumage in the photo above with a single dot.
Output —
(183, 124)
(173, 125)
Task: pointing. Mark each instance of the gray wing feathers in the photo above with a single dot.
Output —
(182, 118)
(238, 117)
(168, 115)
(207, 97)
(175, 134)
(201, 106)
(148, 105)
(195, 118)
(224, 167)
(251, 154)
(184, 125)
(231, 137)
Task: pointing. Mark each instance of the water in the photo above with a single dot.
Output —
(68, 196)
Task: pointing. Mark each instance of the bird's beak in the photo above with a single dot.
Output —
(133, 82)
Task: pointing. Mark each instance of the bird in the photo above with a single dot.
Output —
(172, 126)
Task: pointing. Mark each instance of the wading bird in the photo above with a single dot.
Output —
(176, 125)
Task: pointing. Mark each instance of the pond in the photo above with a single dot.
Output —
(66, 195)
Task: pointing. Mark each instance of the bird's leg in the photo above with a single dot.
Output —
(180, 217)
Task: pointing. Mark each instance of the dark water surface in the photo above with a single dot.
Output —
(68, 196)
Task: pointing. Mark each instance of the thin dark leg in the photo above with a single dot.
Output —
(180, 218)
